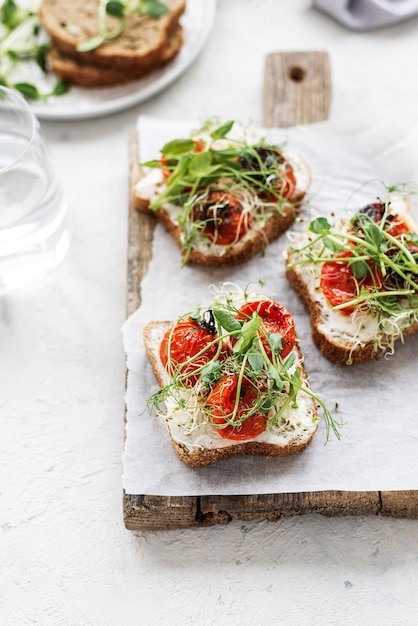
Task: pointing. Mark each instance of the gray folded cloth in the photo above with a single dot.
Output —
(368, 14)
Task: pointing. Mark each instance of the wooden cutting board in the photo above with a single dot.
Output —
(297, 90)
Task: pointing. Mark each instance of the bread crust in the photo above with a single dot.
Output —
(76, 72)
(199, 458)
(334, 350)
(140, 46)
(205, 456)
(240, 252)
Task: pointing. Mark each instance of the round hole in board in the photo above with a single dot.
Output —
(297, 74)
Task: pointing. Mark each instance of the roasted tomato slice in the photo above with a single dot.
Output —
(339, 284)
(223, 218)
(276, 319)
(221, 403)
(286, 183)
(179, 347)
(396, 226)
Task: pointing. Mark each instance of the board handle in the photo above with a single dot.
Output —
(297, 88)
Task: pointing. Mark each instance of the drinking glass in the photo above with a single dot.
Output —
(34, 228)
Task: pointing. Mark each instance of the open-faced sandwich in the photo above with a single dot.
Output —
(358, 278)
(232, 380)
(224, 192)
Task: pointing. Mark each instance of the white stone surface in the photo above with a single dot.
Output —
(65, 556)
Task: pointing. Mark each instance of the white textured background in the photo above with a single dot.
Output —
(65, 556)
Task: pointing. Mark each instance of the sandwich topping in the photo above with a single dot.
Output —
(234, 374)
(219, 184)
(365, 268)
(119, 10)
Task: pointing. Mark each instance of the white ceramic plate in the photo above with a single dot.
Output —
(81, 103)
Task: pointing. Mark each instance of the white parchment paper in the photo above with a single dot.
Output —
(377, 402)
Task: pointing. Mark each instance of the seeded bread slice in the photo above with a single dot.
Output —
(140, 45)
(217, 449)
(253, 242)
(88, 75)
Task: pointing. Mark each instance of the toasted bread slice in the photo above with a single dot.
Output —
(255, 241)
(267, 220)
(139, 46)
(357, 337)
(88, 75)
(204, 445)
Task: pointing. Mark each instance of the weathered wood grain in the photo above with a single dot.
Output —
(297, 88)
(160, 512)
(297, 91)
(140, 235)
(399, 504)
(223, 509)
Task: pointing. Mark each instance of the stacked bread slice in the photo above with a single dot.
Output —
(144, 45)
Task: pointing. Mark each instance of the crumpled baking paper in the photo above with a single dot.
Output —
(349, 159)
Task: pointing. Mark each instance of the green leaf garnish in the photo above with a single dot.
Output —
(200, 165)
(153, 8)
(41, 57)
(256, 361)
(276, 342)
(248, 333)
(360, 269)
(274, 375)
(222, 131)
(373, 234)
(28, 90)
(320, 226)
(116, 9)
(9, 14)
(211, 372)
(226, 320)
(61, 87)
(331, 244)
(289, 362)
(177, 147)
(196, 314)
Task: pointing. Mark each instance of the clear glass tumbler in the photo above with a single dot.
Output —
(34, 229)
